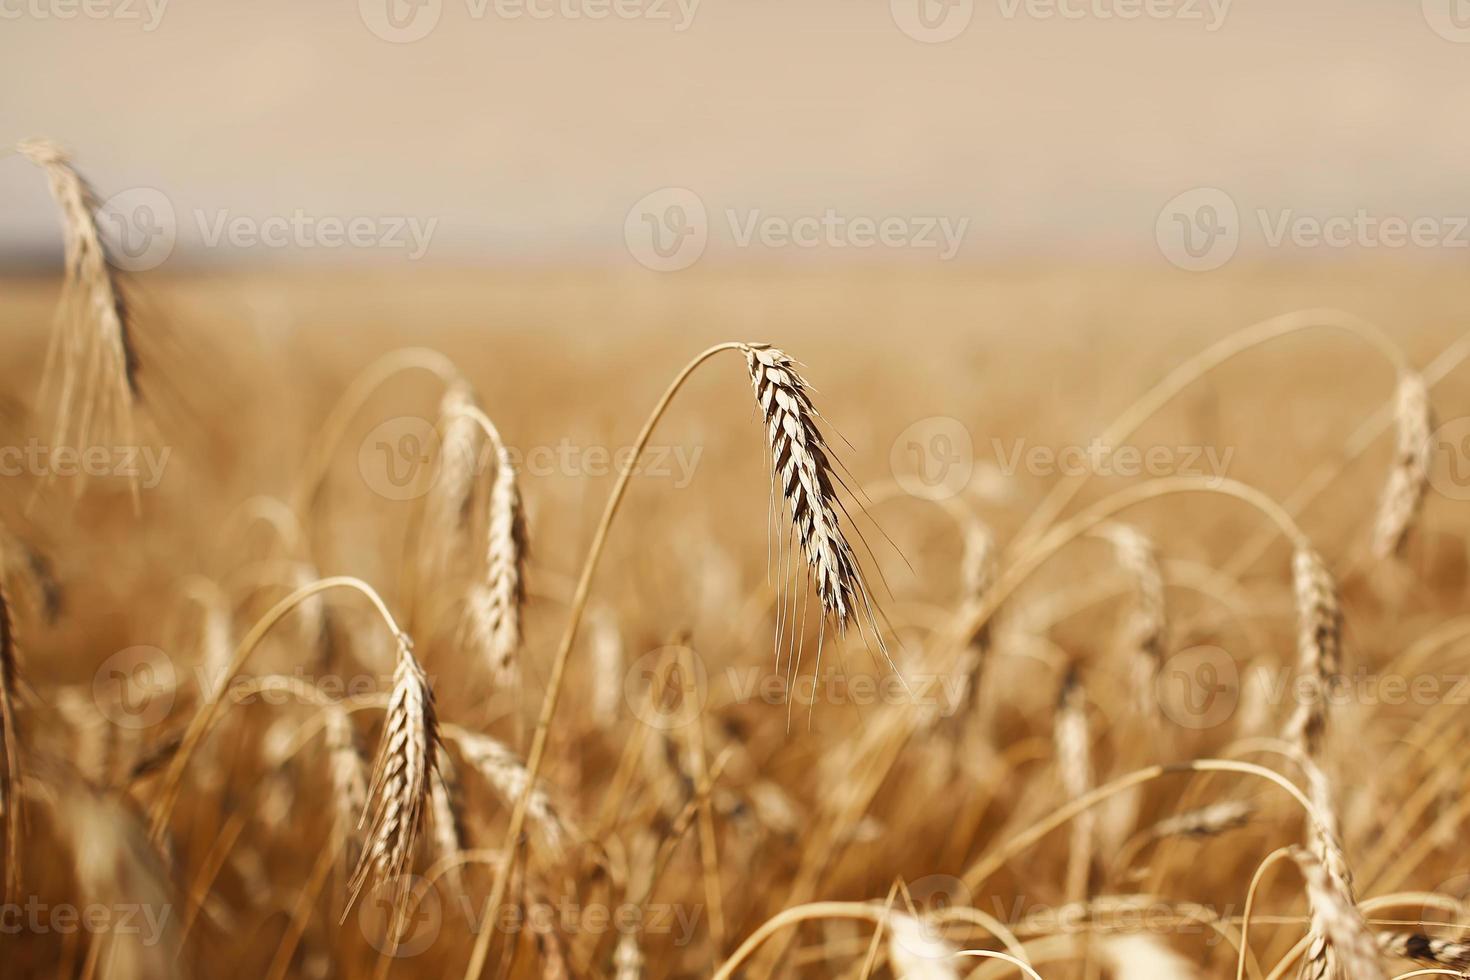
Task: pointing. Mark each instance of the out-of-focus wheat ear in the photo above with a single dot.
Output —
(1408, 479)
(92, 365)
(553, 957)
(628, 958)
(347, 773)
(458, 458)
(1148, 621)
(1426, 949)
(918, 952)
(606, 640)
(446, 820)
(1341, 940)
(507, 775)
(1319, 648)
(10, 775)
(801, 466)
(1074, 761)
(1207, 821)
(1143, 956)
(117, 867)
(399, 791)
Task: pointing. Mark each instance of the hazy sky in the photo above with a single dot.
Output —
(531, 127)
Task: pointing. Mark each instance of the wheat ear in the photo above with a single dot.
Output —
(1148, 620)
(1403, 494)
(92, 357)
(1426, 949)
(1207, 821)
(447, 823)
(1336, 919)
(801, 463)
(1074, 759)
(402, 774)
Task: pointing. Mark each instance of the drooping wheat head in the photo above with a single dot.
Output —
(92, 365)
(1146, 630)
(495, 604)
(402, 772)
(802, 468)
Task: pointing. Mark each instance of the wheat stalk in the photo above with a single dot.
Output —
(401, 777)
(10, 771)
(1403, 494)
(92, 358)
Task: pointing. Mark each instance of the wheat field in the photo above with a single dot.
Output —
(991, 621)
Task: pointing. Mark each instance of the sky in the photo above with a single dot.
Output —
(617, 130)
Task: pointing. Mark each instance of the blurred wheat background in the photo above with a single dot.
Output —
(323, 656)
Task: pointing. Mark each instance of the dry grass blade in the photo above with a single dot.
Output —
(1403, 494)
(1337, 920)
(402, 774)
(92, 365)
(802, 465)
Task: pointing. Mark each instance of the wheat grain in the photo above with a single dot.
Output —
(1403, 494)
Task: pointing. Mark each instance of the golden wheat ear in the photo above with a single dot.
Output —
(802, 470)
(91, 373)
